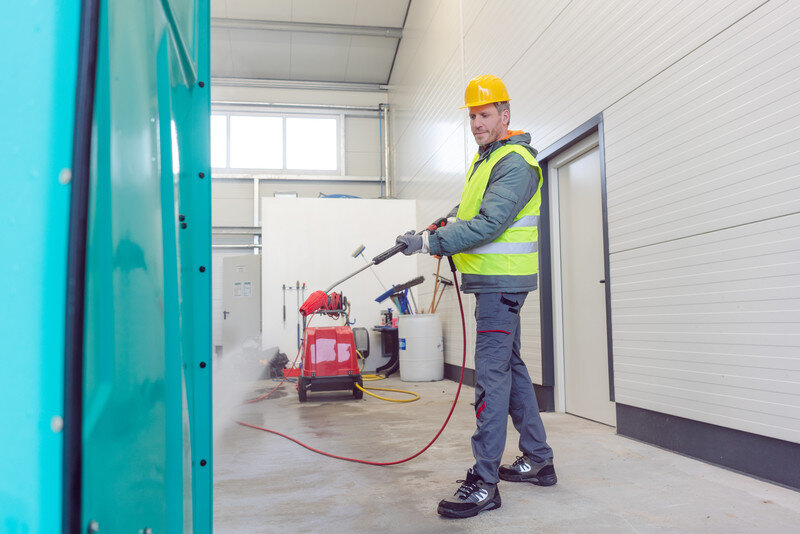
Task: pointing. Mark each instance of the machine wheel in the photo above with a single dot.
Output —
(302, 392)
(357, 393)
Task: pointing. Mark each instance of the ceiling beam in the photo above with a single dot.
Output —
(284, 26)
(298, 84)
(265, 177)
(233, 106)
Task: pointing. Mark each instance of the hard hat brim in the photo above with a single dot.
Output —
(484, 103)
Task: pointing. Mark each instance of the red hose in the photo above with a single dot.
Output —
(395, 462)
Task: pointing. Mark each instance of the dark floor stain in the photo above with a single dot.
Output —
(277, 394)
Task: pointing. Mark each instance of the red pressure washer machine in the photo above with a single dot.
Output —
(330, 361)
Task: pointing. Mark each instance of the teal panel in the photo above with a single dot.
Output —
(191, 113)
(177, 408)
(186, 15)
(147, 439)
(124, 442)
(147, 377)
(38, 66)
(182, 16)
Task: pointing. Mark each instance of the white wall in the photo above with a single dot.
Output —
(312, 240)
(232, 205)
(233, 200)
(702, 128)
(703, 167)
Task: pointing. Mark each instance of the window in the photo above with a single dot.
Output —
(219, 141)
(256, 142)
(284, 144)
(311, 144)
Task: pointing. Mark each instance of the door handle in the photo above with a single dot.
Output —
(225, 315)
(602, 281)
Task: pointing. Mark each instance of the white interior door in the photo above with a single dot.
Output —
(241, 315)
(582, 361)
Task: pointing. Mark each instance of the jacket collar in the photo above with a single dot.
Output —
(514, 137)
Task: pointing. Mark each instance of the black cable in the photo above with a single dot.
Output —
(76, 267)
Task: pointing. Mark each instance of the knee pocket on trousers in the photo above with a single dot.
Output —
(494, 345)
(495, 314)
(496, 324)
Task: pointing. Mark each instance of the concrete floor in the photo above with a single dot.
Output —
(607, 483)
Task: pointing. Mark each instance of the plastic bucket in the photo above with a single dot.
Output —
(421, 347)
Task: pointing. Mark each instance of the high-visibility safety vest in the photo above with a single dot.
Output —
(515, 251)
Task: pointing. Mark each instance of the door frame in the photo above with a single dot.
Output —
(566, 156)
(552, 330)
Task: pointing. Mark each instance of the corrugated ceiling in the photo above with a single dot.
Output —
(353, 41)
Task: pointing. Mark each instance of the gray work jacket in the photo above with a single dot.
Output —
(512, 183)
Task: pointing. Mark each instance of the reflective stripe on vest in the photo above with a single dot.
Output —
(515, 251)
(504, 248)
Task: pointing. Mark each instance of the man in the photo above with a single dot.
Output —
(493, 242)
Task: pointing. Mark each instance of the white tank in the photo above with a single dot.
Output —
(421, 347)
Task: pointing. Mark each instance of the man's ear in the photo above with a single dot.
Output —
(506, 117)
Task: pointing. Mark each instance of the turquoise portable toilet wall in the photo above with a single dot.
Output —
(144, 376)
(36, 148)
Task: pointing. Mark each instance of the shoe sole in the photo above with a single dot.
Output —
(454, 514)
(547, 480)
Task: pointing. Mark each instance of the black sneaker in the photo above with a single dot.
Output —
(526, 470)
(473, 497)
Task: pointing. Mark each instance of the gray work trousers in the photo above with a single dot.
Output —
(503, 386)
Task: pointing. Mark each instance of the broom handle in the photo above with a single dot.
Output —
(436, 284)
(444, 286)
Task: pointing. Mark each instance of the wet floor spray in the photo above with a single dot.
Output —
(316, 301)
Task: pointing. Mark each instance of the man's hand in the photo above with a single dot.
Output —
(415, 244)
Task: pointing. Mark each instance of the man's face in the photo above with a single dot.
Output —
(488, 125)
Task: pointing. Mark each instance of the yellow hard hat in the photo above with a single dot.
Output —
(483, 90)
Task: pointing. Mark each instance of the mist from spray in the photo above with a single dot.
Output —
(240, 374)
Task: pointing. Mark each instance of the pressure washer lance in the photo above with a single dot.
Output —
(318, 298)
(360, 252)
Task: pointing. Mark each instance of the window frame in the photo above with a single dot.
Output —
(283, 115)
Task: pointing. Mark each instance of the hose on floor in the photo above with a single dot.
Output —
(372, 378)
(367, 378)
(367, 391)
(431, 442)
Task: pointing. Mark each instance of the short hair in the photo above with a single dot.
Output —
(503, 106)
